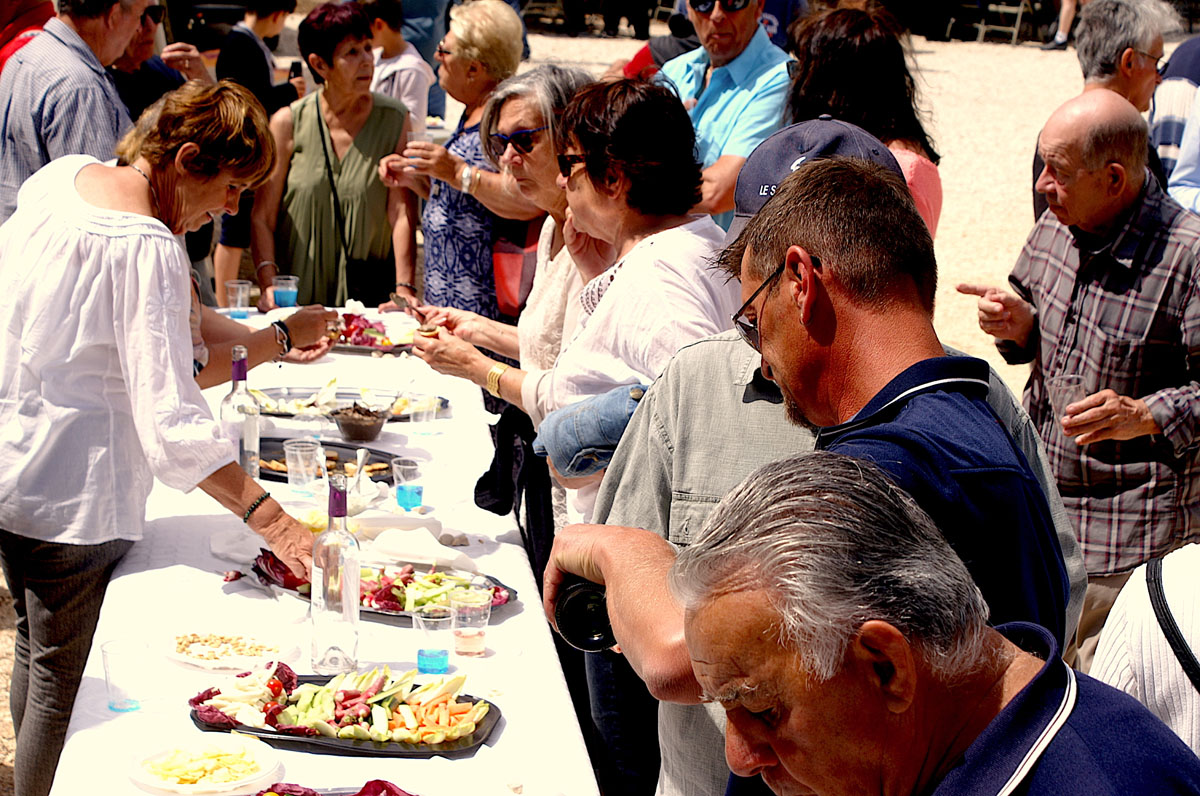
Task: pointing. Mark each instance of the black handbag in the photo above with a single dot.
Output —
(369, 280)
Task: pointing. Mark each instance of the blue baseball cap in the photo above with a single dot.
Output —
(790, 148)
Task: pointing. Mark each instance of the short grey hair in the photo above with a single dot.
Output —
(836, 544)
(1123, 141)
(547, 87)
(1108, 28)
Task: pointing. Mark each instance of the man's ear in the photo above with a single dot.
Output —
(882, 656)
(1117, 178)
(801, 281)
(1125, 61)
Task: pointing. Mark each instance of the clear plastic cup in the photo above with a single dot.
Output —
(433, 650)
(1064, 391)
(237, 291)
(286, 290)
(470, 610)
(422, 411)
(125, 673)
(305, 463)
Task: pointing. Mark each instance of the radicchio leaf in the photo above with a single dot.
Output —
(214, 717)
(379, 787)
(273, 572)
(499, 596)
(203, 696)
(288, 789)
(287, 677)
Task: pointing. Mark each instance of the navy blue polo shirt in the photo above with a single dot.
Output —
(1063, 734)
(932, 431)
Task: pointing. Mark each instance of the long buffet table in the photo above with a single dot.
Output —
(171, 583)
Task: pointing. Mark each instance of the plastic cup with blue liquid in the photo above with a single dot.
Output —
(408, 493)
(286, 289)
(237, 292)
(433, 650)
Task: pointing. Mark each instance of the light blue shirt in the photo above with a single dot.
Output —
(55, 99)
(1184, 182)
(742, 104)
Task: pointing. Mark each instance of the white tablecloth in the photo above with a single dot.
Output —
(170, 583)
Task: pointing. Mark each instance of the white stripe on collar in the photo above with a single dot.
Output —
(851, 425)
(1056, 723)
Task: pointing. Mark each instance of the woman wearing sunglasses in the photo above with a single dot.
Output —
(851, 65)
(465, 197)
(631, 194)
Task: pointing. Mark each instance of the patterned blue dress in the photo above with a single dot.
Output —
(458, 238)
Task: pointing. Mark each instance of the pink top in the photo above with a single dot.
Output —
(924, 184)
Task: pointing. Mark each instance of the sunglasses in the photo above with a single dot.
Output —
(566, 164)
(748, 329)
(521, 140)
(728, 6)
(442, 51)
(154, 14)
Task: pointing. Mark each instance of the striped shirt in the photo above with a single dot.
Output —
(1123, 312)
(55, 99)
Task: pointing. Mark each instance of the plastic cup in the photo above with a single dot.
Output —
(470, 610)
(433, 652)
(125, 673)
(1064, 390)
(237, 291)
(422, 411)
(404, 470)
(304, 463)
(409, 496)
(286, 289)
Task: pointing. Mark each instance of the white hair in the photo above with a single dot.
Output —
(835, 544)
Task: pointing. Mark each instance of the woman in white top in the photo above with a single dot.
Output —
(96, 390)
(629, 193)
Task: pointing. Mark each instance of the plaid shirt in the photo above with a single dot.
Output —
(1124, 313)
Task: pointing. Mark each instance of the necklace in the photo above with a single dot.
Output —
(153, 193)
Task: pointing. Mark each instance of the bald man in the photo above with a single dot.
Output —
(1106, 289)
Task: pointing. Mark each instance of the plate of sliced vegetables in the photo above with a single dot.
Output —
(379, 713)
(213, 764)
(397, 589)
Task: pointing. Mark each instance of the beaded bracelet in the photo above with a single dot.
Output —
(253, 506)
(408, 285)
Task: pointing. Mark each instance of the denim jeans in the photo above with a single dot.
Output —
(57, 591)
(580, 439)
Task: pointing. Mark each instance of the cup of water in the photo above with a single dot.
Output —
(286, 288)
(1065, 390)
(125, 673)
(237, 291)
(433, 652)
(304, 464)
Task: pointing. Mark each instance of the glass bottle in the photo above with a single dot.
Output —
(240, 414)
(581, 613)
(335, 589)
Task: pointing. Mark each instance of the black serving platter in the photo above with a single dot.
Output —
(320, 744)
(271, 448)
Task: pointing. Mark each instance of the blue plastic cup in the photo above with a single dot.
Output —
(408, 496)
(286, 289)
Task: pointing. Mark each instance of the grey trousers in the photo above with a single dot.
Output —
(57, 590)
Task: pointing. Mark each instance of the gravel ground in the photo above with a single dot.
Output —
(986, 103)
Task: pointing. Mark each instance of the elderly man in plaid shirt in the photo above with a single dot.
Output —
(1107, 289)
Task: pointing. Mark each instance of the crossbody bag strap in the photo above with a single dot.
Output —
(337, 204)
(1162, 612)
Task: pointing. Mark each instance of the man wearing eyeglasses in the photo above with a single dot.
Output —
(55, 98)
(685, 448)
(734, 85)
(1120, 47)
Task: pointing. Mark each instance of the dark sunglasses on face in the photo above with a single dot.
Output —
(154, 14)
(748, 329)
(442, 51)
(728, 6)
(566, 163)
(521, 140)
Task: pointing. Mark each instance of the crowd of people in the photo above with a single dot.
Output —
(838, 555)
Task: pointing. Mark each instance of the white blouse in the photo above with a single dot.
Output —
(96, 389)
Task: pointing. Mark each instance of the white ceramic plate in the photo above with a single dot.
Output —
(267, 759)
